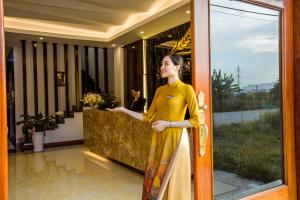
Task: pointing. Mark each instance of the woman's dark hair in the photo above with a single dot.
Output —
(177, 60)
(136, 88)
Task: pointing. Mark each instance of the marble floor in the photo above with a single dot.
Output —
(74, 173)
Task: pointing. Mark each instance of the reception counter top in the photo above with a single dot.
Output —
(119, 137)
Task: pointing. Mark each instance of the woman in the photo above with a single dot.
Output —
(168, 172)
(138, 102)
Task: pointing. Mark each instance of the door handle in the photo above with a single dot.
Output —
(203, 130)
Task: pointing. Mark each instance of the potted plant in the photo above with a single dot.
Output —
(91, 99)
(108, 101)
(27, 127)
(40, 124)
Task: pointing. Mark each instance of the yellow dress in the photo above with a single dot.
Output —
(168, 171)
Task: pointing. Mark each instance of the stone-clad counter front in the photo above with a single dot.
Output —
(117, 136)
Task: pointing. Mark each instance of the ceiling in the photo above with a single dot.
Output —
(102, 21)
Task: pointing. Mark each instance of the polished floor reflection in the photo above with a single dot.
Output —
(74, 173)
(71, 173)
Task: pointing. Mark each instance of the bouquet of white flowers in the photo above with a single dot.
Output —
(92, 99)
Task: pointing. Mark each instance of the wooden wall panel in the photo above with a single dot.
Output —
(105, 54)
(45, 62)
(35, 77)
(77, 70)
(24, 76)
(133, 69)
(96, 69)
(54, 76)
(66, 62)
(86, 63)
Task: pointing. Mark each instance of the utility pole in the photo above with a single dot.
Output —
(238, 80)
(238, 75)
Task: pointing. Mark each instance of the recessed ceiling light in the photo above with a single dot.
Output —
(142, 32)
(188, 12)
(133, 47)
(41, 38)
(113, 45)
(34, 45)
(169, 36)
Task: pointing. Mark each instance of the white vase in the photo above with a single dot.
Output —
(38, 141)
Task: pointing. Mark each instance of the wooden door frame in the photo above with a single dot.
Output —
(203, 166)
(296, 56)
(200, 53)
(3, 127)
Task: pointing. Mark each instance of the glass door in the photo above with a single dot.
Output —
(246, 99)
(243, 149)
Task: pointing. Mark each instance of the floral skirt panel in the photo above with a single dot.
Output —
(168, 171)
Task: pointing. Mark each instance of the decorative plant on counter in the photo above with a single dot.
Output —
(39, 125)
(91, 99)
(109, 101)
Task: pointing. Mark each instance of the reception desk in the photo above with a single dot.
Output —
(118, 136)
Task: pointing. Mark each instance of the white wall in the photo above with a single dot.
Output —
(29, 78)
(51, 98)
(72, 130)
(18, 75)
(72, 89)
(40, 78)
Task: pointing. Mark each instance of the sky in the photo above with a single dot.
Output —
(244, 39)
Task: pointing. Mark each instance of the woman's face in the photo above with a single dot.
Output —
(168, 68)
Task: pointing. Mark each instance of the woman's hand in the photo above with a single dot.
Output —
(160, 125)
(117, 109)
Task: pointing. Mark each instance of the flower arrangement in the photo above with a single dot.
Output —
(92, 99)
